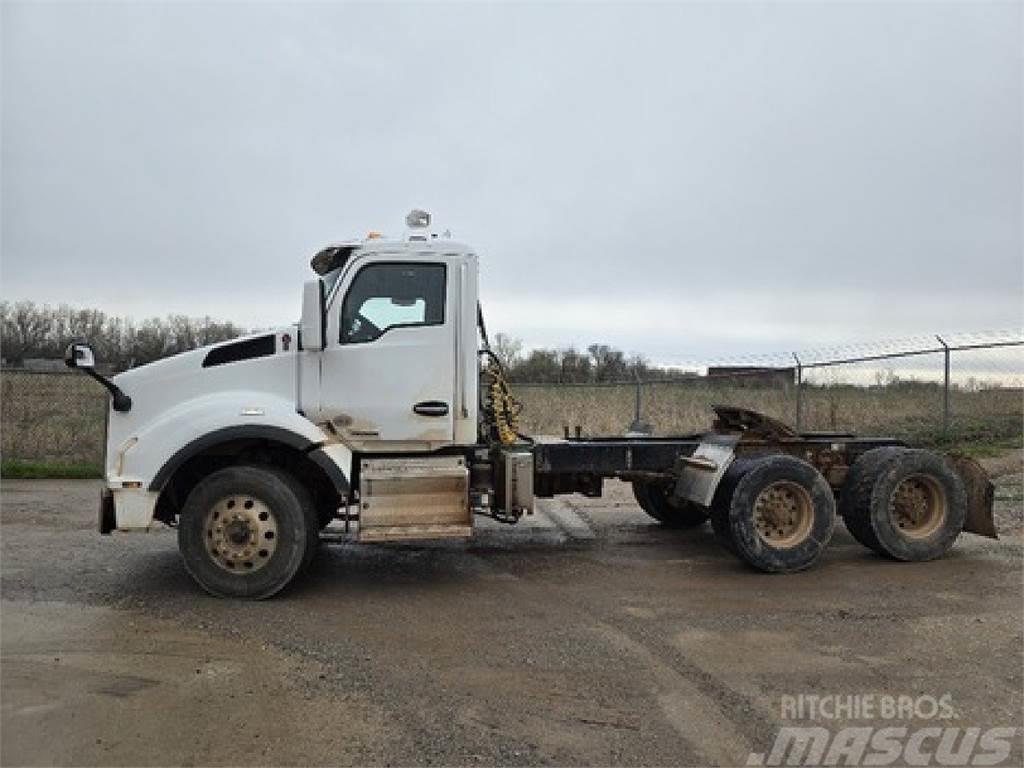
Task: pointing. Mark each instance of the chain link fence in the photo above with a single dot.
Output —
(898, 389)
(967, 387)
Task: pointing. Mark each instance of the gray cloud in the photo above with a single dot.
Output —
(677, 179)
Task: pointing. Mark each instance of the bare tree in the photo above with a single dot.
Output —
(576, 367)
(609, 364)
(508, 350)
(24, 329)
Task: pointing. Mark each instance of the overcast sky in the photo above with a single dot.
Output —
(681, 180)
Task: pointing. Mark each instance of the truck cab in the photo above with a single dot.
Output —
(388, 346)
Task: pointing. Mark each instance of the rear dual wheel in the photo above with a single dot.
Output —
(904, 504)
(776, 513)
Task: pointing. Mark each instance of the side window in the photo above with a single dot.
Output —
(384, 296)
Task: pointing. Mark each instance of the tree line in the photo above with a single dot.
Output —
(28, 331)
(599, 363)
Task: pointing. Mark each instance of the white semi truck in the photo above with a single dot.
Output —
(384, 408)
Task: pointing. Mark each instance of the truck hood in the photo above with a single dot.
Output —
(253, 346)
(259, 363)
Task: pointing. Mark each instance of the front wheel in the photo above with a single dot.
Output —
(246, 531)
(656, 501)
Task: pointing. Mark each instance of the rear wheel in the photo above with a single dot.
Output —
(723, 498)
(864, 470)
(907, 505)
(777, 513)
(246, 532)
(657, 501)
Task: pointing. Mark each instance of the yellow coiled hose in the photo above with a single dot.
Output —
(501, 407)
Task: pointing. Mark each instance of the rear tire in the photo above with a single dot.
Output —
(723, 498)
(907, 505)
(656, 501)
(777, 513)
(865, 470)
(246, 531)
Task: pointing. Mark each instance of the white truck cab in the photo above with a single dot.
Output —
(384, 408)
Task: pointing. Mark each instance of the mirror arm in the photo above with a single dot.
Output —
(122, 403)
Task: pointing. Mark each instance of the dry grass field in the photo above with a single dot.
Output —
(51, 419)
(912, 412)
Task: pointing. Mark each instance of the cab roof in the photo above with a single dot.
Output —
(336, 255)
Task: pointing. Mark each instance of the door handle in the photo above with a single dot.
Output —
(431, 408)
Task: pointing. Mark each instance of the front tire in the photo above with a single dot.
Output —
(246, 531)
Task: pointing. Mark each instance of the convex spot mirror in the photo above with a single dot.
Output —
(80, 355)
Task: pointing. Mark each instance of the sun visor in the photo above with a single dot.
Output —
(332, 257)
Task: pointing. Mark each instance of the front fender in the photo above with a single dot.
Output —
(151, 454)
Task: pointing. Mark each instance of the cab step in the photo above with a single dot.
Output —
(419, 532)
(414, 498)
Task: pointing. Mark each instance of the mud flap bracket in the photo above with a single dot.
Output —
(700, 474)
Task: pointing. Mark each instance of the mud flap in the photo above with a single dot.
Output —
(107, 522)
(980, 496)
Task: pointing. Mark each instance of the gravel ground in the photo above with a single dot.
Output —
(585, 635)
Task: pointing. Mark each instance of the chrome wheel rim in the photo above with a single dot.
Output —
(783, 514)
(240, 533)
(918, 506)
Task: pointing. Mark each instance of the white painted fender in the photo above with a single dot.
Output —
(139, 456)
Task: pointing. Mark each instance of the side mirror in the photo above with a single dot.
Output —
(80, 355)
(312, 330)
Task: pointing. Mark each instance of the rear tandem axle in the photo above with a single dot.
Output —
(773, 494)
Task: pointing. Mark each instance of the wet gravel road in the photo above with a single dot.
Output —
(585, 635)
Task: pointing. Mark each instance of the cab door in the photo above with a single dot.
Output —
(387, 375)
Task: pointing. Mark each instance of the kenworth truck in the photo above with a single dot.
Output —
(386, 409)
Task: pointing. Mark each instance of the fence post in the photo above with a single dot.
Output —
(945, 387)
(637, 425)
(637, 419)
(799, 391)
